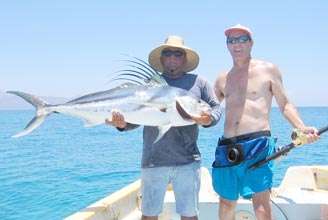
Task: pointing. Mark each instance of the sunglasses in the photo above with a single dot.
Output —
(176, 53)
(241, 39)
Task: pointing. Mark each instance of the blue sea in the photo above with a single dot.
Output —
(62, 166)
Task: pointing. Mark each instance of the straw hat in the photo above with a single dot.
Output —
(154, 57)
(238, 27)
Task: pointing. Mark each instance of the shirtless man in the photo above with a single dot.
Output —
(248, 88)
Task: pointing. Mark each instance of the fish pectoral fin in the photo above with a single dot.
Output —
(161, 131)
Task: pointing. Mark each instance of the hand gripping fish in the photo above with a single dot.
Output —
(150, 102)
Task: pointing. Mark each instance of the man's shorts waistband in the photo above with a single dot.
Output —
(243, 137)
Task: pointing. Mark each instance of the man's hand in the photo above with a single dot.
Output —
(306, 135)
(117, 120)
(203, 119)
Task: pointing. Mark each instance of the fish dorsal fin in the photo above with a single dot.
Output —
(140, 72)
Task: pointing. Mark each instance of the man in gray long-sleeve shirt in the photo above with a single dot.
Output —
(175, 158)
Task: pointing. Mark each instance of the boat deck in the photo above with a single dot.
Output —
(302, 195)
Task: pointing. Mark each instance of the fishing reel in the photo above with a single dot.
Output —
(235, 154)
(298, 137)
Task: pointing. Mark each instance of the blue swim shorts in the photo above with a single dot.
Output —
(185, 180)
(232, 181)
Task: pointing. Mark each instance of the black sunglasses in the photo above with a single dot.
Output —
(176, 53)
(241, 39)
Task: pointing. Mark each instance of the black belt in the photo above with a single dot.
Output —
(243, 137)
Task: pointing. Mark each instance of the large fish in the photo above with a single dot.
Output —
(150, 102)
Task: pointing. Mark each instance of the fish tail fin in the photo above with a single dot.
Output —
(40, 115)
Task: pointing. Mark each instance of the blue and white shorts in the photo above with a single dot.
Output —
(185, 180)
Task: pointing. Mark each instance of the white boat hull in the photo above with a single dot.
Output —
(302, 195)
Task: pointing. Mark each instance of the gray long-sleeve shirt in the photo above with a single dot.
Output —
(179, 144)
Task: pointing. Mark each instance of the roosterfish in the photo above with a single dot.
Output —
(145, 100)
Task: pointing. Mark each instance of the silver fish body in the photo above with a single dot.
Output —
(163, 106)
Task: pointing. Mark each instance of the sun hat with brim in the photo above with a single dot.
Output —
(238, 27)
(154, 57)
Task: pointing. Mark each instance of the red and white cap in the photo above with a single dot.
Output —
(238, 27)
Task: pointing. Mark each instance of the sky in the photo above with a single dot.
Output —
(68, 48)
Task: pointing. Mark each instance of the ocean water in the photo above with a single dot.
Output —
(62, 167)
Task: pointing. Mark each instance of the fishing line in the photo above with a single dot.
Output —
(280, 209)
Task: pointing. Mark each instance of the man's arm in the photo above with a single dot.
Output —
(212, 118)
(288, 109)
(218, 87)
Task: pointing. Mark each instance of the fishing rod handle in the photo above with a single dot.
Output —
(299, 138)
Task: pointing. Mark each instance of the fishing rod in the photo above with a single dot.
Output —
(297, 141)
